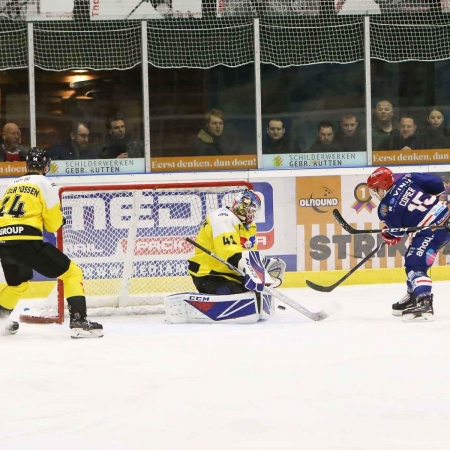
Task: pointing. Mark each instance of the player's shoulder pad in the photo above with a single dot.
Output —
(222, 215)
(222, 212)
(40, 180)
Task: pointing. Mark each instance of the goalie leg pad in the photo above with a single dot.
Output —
(267, 306)
(195, 307)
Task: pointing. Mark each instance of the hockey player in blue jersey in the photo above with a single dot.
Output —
(413, 200)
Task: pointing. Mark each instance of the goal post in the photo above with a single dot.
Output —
(129, 240)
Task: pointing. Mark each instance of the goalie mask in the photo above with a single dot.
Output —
(246, 206)
(38, 159)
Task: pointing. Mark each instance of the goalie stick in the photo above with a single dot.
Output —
(347, 227)
(319, 288)
(320, 315)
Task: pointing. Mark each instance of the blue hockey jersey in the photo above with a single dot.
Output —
(414, 201)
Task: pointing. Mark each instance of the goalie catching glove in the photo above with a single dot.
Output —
(275, 267)
(260, 271)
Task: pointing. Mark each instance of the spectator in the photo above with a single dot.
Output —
(213, 140)
(276, 140)
(77, 147)
(404, 138)
(10, 149)
(119, 143)
(382, 126)
(436, 135)
(325, 141)
(351, 138)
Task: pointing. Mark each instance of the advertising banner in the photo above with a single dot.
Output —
(314, 160)
(36, 10)
(369, 7)
(199, 163)
(322, 243)
(12, 169)
(97, 166)
(276, 221)
(144, 9)
(410, 157)
(104, 237)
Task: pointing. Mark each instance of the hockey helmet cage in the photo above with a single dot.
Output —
(38, 158)
(381, 178)
(246, 206)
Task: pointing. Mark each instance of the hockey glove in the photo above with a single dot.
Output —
(64, 221)
(252, 265)
(390, 239)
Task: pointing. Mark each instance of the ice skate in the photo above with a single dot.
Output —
(421, 310)
(80, 328)
(9, 327)
(406, 302)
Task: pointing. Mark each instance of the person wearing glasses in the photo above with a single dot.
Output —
(76, 147)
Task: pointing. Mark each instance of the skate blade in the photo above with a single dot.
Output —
(396, 312)
(79, 333)
(417, 317)
(9, 331)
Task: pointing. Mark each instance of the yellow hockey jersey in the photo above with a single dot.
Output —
(29, 205)
(225, 235)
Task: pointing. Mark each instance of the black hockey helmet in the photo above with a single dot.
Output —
(38, 158)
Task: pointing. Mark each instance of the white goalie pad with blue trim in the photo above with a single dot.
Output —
(267, 306)
(194, 307)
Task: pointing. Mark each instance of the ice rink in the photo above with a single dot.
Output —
(361, 379)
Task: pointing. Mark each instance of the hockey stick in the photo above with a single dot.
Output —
(135, 8)
(319, 288)
(320, 315)
(347, 227)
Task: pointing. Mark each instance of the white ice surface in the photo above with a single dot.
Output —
(361, 379)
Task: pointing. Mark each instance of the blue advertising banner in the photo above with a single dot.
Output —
(315, 160)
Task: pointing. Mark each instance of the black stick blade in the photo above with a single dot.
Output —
(319, 288)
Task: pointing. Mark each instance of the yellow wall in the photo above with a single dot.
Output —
(41, 289)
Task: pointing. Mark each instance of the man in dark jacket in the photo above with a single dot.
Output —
(77, 147)
(325, 141)
(119, 143)
(404, 138)
(276, 141)
(350, 137)
(212, 141)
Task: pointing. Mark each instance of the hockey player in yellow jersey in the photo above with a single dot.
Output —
(29, 205)
(230, 233)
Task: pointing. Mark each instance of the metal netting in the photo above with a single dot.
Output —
(207, 33)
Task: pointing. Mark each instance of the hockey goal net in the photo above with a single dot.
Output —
(130, 242)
